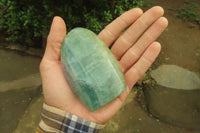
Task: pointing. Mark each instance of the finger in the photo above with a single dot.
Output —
(111, 32)
(132, 34)
(55, 39)
(134, 53)
(138, 70)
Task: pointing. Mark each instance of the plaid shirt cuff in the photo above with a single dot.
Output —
(55, 120)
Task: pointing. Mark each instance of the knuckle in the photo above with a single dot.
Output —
(122, 20)
(147, 61)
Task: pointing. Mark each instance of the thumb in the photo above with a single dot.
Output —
(54, 42)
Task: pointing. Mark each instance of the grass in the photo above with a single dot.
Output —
(189, 12)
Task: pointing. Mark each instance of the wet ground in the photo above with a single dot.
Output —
(20, 83)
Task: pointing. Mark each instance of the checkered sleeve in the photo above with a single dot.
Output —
(55, 120)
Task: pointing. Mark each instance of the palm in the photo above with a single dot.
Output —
(135, 53)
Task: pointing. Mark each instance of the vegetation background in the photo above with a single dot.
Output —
(27, 22)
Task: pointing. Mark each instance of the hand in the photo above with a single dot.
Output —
(135, 51)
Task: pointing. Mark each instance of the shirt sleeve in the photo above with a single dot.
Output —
(54, 120)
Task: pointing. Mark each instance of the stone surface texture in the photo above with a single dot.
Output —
(176, 96)
(175, 77)
(91, 69)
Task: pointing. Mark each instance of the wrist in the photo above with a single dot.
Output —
(56, 120)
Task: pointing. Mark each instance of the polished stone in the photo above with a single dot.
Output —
(91, 69)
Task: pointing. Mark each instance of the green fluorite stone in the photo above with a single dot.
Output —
(91, 69)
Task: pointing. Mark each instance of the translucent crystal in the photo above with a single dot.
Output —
(91, 69)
